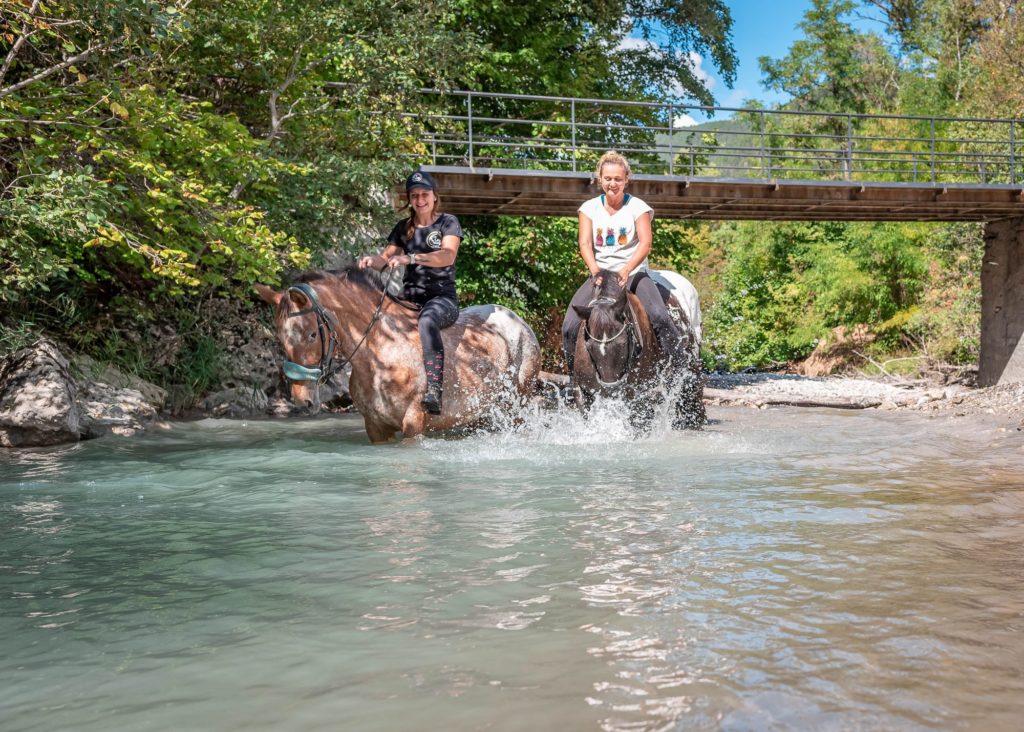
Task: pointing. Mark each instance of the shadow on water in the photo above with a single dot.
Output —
(781, 568)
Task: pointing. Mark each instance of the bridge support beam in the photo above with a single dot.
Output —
(1002, 304)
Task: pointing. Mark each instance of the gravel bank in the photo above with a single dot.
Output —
(762, 390)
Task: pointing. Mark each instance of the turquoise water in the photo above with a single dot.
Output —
(786, 568)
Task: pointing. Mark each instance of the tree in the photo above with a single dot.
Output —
(612, 49)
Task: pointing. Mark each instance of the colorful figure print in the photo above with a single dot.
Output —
(598, 237)
(622, 236)
(609, 240)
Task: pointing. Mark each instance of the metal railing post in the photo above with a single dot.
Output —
(469, 114)
(932, 164)
(849, 148)
(671, 134)
(1013, 159)
(765, 163)
(573, 125)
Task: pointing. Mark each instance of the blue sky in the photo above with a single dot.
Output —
(760, 28)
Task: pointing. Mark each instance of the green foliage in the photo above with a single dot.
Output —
(530, 265)
(786, 285)
(947, 324)
(580, 49)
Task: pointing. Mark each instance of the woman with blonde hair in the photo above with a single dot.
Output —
(615, 235)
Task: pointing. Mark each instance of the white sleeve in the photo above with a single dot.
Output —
(639, 207)
(588, 208)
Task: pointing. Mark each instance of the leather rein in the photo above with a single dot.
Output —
(326, 324)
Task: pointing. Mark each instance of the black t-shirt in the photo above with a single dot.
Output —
(423, 283)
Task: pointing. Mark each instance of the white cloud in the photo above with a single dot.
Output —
(683, 120)
(692, 59)
(697, 65)
(634, 44)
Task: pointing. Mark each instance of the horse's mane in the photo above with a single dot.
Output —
(370, 278)
(602, 314)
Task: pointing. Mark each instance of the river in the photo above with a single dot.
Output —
(783, 569)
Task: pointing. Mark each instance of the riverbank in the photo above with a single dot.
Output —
(762, 390)
(48, 399)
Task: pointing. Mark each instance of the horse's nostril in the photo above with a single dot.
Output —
(309, 404)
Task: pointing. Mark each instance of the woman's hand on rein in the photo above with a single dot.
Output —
(399, 260)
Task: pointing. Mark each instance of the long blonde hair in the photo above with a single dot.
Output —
(612, 158)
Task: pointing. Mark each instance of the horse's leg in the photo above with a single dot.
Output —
(690, 411)
(642, 409)
(414, 421)
(377, 432)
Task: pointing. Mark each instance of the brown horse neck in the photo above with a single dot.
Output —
(354, 306)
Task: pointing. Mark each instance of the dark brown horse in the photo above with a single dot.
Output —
(327, 319)
(618, 355)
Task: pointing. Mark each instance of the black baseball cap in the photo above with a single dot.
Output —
(420, 179)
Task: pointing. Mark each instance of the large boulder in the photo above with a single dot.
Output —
(91, 371)
(112, 410)
(38, 398)
(42, 403)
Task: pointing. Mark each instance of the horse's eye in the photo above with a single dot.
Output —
(312, 335)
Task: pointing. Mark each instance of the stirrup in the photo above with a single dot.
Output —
(431, 401)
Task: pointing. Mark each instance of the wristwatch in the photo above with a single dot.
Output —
(412, 258)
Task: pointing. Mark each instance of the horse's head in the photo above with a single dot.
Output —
(607, 333)
(306, 331)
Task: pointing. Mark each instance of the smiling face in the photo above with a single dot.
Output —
(422, 201)
(614, 179)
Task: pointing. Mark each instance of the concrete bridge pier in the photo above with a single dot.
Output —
(1002, 303)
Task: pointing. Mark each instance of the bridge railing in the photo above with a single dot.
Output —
(525, 132)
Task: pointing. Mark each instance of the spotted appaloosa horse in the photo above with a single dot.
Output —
(618, 354)
(492, 356)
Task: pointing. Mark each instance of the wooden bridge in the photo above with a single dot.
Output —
(512, 154)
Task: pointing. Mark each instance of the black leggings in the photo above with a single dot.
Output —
(437, 313)
(647, 291)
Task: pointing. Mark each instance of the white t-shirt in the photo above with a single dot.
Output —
(614, 237)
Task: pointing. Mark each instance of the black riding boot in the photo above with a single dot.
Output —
(568, 392)
(432, 399)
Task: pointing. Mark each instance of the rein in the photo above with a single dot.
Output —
(632, 353)
(325, 324)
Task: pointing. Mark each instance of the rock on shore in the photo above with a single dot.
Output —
(43, 403)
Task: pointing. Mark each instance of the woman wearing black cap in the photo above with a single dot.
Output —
(427, 242)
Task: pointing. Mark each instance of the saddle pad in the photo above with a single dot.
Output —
(685, 293)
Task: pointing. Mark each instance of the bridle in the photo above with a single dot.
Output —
(633, 344)
(325, 325)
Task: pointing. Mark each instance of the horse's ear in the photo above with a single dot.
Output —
(269, 295)
(299, 299)
(583, 311)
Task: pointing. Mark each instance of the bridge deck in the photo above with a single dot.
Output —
(557, 193)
